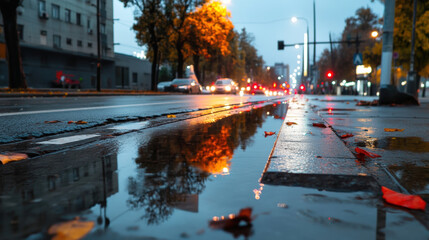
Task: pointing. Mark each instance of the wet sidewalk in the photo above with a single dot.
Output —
(310, 155)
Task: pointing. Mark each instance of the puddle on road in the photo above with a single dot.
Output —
(170, 182)
(412, 177)
(410, 144)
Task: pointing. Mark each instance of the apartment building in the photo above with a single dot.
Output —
(59, 37)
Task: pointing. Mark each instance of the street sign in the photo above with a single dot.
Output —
(357, 59)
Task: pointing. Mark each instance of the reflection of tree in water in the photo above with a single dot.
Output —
(178, 163)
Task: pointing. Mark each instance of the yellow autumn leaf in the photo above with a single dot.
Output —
(393, 130)
(10, 157)
(71, 230)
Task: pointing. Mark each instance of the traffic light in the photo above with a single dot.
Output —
(329, 74)
(280, 45)
(274, 85)
(302, 87)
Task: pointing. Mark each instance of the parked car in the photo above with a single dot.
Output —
(162, 85)
(224, 85)
(185, 85)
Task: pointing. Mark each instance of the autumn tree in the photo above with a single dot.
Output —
(402, 36)
(177, 14)
(151, 30)
(207, 30)
(358, 29)
(14, 60)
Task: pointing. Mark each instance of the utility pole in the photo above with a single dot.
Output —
(313, 70)
(98, 49)
(413, 84)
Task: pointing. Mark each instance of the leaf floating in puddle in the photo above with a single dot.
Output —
(81, 122)
(232, 221)
(366, 153)
(403, 200)
(291, 123)
(393, 130)
(54, 121)
(74, 229)
(269, 133)
(321, 125)
(346, 135)
(11, 157)
(171, 116)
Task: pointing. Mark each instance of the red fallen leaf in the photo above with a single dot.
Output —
(321, 125)
(277, 117)
(403, 200)
(232, 221)
(70, 122)
(269, 133)
(54, 121)
(347, 135)
(291, 123)
(81, 122)
(366, 153)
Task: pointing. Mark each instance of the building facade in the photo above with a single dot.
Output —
(132, 72)
(59, 37)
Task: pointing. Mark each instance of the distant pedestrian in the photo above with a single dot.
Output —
(63, 79)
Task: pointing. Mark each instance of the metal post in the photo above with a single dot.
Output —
(98, 48)
(387, 90)
(313, 70)
(412, 84)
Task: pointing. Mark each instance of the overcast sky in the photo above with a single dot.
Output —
(268, 21)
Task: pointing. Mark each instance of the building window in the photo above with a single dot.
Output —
(103, 28)
(67, 15)
(90, 45)
(55, 11)
(103, 5)
(21, 31)
(79, 43)
(57, 41)
(134, 77)
(78, 17)
(43, 40)
(42, 8)
(69, 41)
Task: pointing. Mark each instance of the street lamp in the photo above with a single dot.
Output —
(306, 48)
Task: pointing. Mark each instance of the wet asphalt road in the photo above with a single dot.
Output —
(24, 118)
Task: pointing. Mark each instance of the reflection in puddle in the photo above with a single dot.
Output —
(415, 178)
(178, 163)
(411, 144)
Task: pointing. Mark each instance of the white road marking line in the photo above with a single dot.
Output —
(65, 140)
(130, 126)
(88, 108)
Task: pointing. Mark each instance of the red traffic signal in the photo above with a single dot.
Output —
(302, 87)
(329, 74)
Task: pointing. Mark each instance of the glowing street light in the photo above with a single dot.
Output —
(374, 34)
(296, 46)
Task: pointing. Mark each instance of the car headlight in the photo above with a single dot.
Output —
(213, 88)
(228, 88)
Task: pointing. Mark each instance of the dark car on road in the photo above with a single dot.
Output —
(185, 85)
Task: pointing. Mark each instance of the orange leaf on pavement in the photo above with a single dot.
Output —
(54, 121)
(347, 135)
(232, 221)
(74, 229)
(393, 130)
(366, 153)
(269, 133)
(291, 123)
(81, 122)
(321, 125)
(403, 200)
(171, 116)
(70, 122)
(10, 157)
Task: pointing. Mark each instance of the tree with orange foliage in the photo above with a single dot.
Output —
(207, 30)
